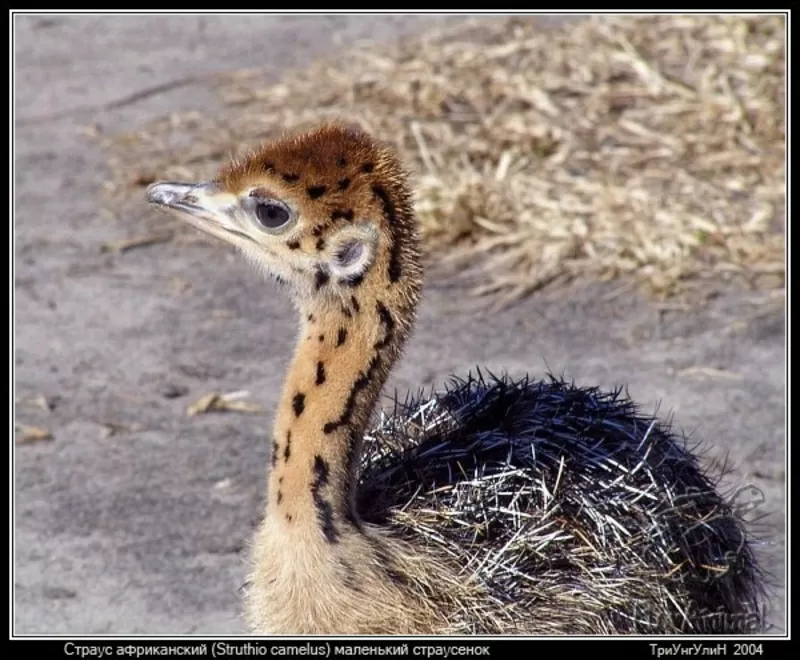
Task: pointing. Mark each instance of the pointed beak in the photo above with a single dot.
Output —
(178, 196)
(202, 205)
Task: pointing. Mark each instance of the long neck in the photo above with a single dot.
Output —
(342, 360)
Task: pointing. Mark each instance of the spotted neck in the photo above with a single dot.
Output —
(339, 367)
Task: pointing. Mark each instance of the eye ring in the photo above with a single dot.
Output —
(272, 214)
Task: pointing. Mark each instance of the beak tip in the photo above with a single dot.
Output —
(156, 193)
(171, 193)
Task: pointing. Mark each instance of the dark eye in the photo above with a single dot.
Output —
(272, 214)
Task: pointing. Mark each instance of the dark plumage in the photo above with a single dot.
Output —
(566, 506)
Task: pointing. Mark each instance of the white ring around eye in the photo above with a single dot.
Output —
(272, 216)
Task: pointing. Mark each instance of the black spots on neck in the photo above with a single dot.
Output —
(375, 364)
(353, 280)
(341, 338)
(275, 450)
(322, 471)
(320, 373)
(310, 318)
(343, 184)
(353, 310)
(321, 338)
(280, 497)
(324, 508)
(287, 450)
(368, 168)
(395, 270)
(299, 404)
(320, 244)
(290, 177)
(342, 161)
(362, 382)
(315, 192)
(325, 517)
(293, 245)
(321, 278)
(388, 323)
(288, 517)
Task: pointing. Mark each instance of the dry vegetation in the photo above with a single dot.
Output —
(646, 146)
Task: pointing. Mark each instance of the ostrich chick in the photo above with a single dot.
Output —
(499, 506)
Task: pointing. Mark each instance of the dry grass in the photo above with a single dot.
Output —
(646, 146)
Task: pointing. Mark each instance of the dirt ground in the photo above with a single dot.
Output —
(134, 516)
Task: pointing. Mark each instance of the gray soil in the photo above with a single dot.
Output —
(134, 518)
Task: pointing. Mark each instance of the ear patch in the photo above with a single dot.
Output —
(351, 253)
(348, 254)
